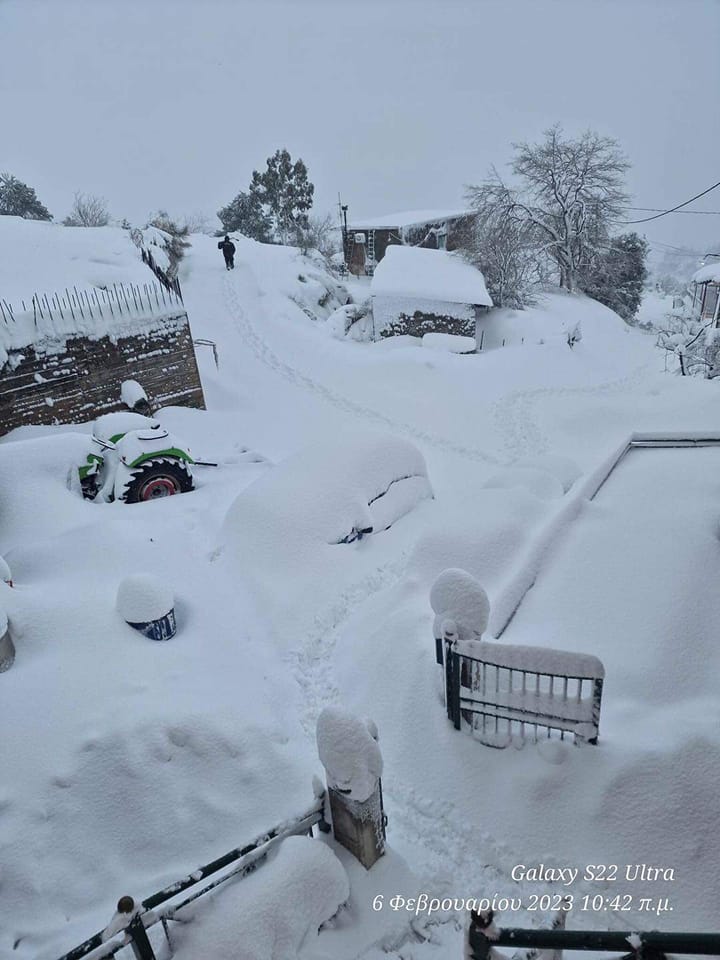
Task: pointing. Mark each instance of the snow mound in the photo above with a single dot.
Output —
(35, 480)
(449, 343)
(143, 597)
(541, 483)
(565, 469)
(333, 492)
(456, 595)
(273, 913)
(348, 749)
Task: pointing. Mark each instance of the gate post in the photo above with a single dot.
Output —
(349, 752)
(480, 934)
(452, 681)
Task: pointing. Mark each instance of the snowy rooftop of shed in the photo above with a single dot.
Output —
(709, 273)
(408, 218)
(428, 274)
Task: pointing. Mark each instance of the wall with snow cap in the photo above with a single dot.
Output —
(417, 316)
(70, 376)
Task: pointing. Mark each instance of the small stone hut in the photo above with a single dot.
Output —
(417, 291)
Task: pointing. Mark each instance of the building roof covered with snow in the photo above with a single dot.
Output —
(427, 274)
(710, 273)
(407, 218)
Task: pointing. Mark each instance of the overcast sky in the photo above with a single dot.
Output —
(396, 104)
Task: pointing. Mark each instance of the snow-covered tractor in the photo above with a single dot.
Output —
(134, 458)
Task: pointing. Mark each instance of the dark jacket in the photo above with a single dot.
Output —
(227, 247)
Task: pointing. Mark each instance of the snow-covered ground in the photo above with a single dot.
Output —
(126, 762)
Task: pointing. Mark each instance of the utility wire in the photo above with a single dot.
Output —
(666, 212)
(707, 213)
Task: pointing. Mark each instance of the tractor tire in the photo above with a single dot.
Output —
(155, 479)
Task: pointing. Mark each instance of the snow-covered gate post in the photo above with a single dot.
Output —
(350, 754)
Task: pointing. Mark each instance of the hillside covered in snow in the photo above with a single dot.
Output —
(349, 476)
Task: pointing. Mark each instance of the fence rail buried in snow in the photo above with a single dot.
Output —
(162, 906)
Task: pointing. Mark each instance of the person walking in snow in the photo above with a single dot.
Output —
(228, 249)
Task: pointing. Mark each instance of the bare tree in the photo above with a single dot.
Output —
(568, 194)
(319, 234)
(88, 211)
(505, 250)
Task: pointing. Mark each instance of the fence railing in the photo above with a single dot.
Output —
(72, 306)
(170, 283)
(499, 691)
(650, 945)
(162, 906)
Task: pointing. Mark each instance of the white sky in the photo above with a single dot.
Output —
(397, 104)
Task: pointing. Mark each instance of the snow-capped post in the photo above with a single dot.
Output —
(461, 608)
(480, 935)
(128, 917)
(147, 604)
(349, 752)
(134, 397)
(7, 647)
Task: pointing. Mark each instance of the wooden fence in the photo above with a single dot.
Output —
(499, 692)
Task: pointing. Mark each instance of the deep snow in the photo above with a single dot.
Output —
(128, 762)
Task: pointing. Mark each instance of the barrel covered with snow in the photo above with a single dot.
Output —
(335, 491)
(458, 597)
(349, 752)
(145, 602)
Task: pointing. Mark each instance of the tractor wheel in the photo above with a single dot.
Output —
(156, 478)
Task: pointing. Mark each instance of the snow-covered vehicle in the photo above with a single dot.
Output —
(134, 458)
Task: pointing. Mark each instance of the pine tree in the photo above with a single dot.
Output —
(275, 207)
(245, 215)
(616, 276)
(17, 199)
(285, 193)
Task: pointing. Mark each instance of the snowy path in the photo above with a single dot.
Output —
(266, 355)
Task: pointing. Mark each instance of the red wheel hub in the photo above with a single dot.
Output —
(158, 487)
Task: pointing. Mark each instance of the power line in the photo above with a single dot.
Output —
(707, 213)
(666, 212)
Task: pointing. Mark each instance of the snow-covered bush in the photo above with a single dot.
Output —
(349, 752)
(460, 605)
(273, 913)
(354, 320)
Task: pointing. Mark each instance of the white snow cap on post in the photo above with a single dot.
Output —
(457, 596)
(132, 393)
(143, 597)
(349, 751)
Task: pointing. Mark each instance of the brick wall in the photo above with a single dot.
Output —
(78, 379)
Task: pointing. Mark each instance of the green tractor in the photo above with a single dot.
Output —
(134, 459)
